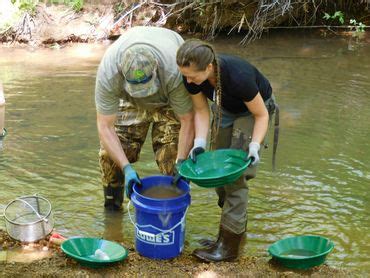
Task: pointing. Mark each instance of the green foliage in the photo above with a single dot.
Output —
(119, 7)
(76, 5)
(26, 5)
(358, 27)
(30, 5)
(337, 15)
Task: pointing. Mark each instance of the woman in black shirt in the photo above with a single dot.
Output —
(243, 100)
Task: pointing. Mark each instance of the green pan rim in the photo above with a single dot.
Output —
(242, 168)
(305, 258)
(91, 260)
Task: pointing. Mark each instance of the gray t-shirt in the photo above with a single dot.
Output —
(109, 87)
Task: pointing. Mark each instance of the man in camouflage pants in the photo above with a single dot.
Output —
(138, 85)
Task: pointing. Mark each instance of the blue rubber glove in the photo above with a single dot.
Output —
(254, 148)
(198, 148)
(131, 178)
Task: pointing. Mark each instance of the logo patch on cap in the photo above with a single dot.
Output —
(139, 74)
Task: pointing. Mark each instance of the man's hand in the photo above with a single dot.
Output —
(131, 178)
(254, 148)
(198, 148)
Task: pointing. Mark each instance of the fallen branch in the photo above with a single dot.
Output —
(126, 14)
(24, 27)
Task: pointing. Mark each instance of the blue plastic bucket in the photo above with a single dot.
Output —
(160, 223)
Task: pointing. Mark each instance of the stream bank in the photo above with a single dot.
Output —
(42, 23)
(56, 264)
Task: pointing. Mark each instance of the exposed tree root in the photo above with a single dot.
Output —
(58, 24)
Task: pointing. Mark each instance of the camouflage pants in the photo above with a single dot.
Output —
(233, 198)
(132, 126)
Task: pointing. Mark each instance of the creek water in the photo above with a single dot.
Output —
(322, 180)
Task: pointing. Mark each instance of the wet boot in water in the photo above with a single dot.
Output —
(226, 248)
(113, 197)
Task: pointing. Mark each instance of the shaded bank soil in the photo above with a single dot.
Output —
(56, 264)
(48, 24)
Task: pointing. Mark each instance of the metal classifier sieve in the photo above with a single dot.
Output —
(28, 218)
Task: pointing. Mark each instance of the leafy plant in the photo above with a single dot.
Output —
(119, 7)
(76, 5)
(26, 5)
(358, 27)
(337, 15)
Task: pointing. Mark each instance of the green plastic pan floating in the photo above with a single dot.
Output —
(94, 252)
(301, 252)
(215, 168)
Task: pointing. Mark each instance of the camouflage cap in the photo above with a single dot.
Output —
(139, 68)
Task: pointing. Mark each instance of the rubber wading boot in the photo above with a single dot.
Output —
(207, 242)
(225, 249)
(113, 197)
(221, 202)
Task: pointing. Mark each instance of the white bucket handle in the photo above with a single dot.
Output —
(162, 231)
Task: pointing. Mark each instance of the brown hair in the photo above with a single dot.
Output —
(201, 54)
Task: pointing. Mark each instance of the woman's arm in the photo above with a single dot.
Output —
(201, 115)
(261, 119)
(261, 116)
(201, 123)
